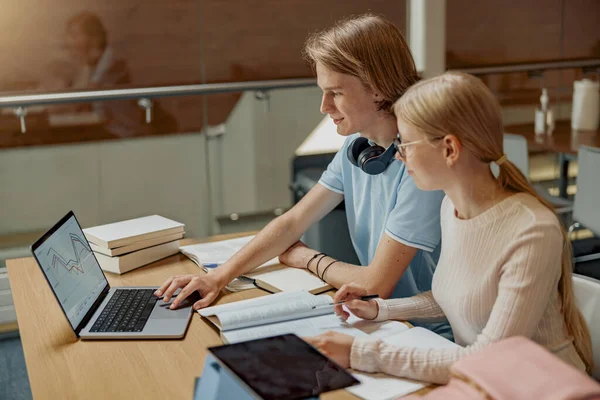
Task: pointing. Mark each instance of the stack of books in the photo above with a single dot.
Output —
(122, 246)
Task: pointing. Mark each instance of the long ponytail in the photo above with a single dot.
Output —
(512, 178)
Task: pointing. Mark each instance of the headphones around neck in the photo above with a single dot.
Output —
(372, 159)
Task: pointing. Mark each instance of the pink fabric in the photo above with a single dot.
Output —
(513, 369)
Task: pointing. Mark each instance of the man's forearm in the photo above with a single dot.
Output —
(270, 242)
(338, 273)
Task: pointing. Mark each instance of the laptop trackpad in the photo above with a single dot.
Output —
(162, 310)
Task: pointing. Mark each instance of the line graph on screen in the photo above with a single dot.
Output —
(71, 267)
(62, 264)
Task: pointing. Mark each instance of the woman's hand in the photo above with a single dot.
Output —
(297, 255)
(208, 285)
(362, 309)
(334, 345)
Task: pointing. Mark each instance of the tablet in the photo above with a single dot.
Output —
(283, 367)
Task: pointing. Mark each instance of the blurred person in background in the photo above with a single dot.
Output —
(93, 64)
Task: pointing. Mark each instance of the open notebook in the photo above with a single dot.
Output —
(277, 314)
(271, 276)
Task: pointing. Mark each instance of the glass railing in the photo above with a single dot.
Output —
(235, 162)
(127, 45)
(243, 135)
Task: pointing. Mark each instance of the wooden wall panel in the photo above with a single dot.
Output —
(501, 31)
(582, 29)
(166, 43)
(176, 41)
(496, 32)
(267, 38)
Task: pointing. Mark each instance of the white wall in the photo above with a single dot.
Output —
(104, 182)
(258, 147)
(294, 113)
(120, 179)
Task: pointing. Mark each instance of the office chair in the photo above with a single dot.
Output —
(587, 295)
(517, 151)
(586, 207)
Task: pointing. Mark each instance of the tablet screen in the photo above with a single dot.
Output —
(283, 367)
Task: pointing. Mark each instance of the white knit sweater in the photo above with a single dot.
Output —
(497, 277)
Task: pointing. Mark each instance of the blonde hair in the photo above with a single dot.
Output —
(370, 48)
(460, 104)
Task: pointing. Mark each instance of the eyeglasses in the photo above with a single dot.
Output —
(401, 147)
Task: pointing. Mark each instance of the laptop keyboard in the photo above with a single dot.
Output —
(127, 311)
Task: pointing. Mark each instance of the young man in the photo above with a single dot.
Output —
(363, 66)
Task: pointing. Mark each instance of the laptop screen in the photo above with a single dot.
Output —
(70, 268)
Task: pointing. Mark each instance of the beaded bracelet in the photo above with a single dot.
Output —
(312, 258)
(325, 270)
(319, 262)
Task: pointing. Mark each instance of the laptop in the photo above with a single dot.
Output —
(93, 308)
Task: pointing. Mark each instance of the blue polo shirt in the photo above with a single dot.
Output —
(389, 203)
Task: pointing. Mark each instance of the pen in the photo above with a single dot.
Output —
(369, 297)
(211, 265)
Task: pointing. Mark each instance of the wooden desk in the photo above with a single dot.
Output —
(563, 140)
(62, 367)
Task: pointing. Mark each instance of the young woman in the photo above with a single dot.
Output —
(363, 66)
(505, 266)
